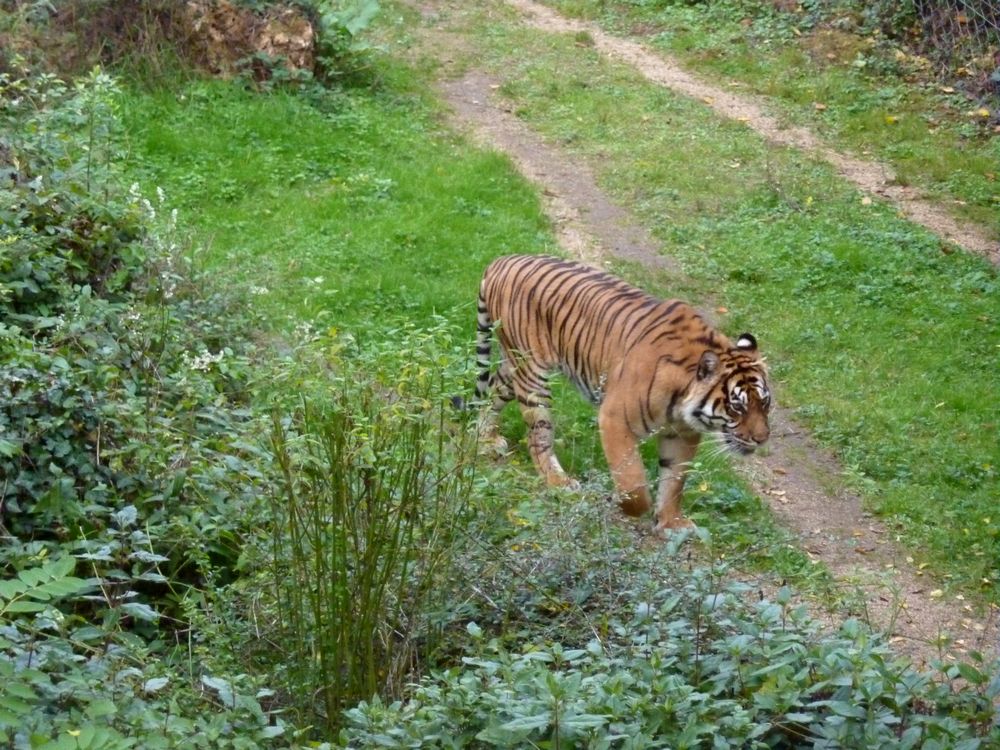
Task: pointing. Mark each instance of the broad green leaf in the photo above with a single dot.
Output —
(60, 588)
(101, 707)
(140, 611)
(14, 705)
(34, 576)
(11, 588)
(584, 721)
(19, 690)
(528, 723)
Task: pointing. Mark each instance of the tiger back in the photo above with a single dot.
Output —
(653, 367)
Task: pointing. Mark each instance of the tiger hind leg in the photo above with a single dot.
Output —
(490, 385)
(497, 384)
(535, 399)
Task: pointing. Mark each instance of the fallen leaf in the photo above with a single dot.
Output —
(722, 310)
(866, 201)
(948, 89)
(936, 594)
(819, 106)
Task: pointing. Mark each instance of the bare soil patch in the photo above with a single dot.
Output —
(802, 483)
(872, 177)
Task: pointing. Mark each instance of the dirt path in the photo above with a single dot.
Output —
(871, 177)
(801, 482)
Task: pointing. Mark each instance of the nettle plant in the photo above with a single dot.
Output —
(697, 663)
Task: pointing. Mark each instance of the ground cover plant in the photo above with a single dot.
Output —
(848, 297)
(848, 71)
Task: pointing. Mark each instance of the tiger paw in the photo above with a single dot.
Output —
(493, 445)
(678, 523)
(562, 480)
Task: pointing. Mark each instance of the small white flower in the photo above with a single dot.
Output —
(204, 360)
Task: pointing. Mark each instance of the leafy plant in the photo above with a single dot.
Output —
(341, 30)
(695, 663)
(374, 500)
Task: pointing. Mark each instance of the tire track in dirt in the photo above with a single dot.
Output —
(871, 177)
(801, 482)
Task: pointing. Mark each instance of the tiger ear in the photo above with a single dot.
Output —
(708, 364)
(747, 342)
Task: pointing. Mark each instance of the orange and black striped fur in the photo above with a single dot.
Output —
(651, 366)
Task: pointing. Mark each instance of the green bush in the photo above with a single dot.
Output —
(375, 499)
(114, 365)
(127, 449)
(695, 663)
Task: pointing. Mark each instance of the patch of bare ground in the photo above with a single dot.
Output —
(871, 177)
(802, 483)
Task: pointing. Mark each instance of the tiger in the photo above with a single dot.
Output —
(652, 367)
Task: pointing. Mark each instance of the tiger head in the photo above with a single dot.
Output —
(730, 395)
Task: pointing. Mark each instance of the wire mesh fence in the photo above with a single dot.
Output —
(956, 29)
(959, 39)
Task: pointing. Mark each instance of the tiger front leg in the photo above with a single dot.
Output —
(676, 453)
(621, 448)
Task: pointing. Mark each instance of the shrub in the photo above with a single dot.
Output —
(126, 448)
(374, 500)
(695, 663)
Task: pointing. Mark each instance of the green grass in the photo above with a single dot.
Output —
(345, 208)
(885, 345)
(871, 101)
